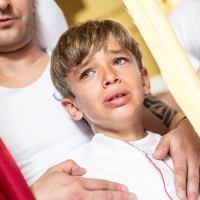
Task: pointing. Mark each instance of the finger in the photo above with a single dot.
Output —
(113, 195)
(180, 174)
(162, 148)
(97, 184)
(69, 167)
(193, 181)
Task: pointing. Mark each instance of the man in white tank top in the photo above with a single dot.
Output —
(38, 132)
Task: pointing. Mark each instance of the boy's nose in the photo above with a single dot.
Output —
(110, 77)
(4, 4)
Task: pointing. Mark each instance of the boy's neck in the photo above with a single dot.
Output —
(130, 133)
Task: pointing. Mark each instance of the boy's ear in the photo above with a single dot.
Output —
(71, 108)
(145, 80)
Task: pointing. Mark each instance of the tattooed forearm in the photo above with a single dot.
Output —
(159, 109)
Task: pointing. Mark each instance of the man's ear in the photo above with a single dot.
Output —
(71, 108)
(145, 80)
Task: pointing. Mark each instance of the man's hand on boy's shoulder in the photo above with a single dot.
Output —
(183, 143)
(63, 181)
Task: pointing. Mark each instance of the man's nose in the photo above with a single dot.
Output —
(4, 4)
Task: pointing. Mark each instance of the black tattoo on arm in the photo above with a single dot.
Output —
(159, 109)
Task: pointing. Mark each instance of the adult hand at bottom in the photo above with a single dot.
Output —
(62, 182)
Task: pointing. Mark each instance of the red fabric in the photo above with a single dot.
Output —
(12, 184)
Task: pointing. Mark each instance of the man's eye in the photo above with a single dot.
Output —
(86, 74)
(119, 61)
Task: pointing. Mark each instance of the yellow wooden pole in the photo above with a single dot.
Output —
(175, 67)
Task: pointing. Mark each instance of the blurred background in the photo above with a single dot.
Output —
(77, 11)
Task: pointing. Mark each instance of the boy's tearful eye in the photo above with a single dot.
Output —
(86, 74)
(119, 61)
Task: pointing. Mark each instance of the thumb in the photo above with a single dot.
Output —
(162, 148)
(71, 168)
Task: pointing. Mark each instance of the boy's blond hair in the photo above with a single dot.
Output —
(78, 41)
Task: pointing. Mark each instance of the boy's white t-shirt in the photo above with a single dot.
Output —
(132, 165)
(38, 131)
